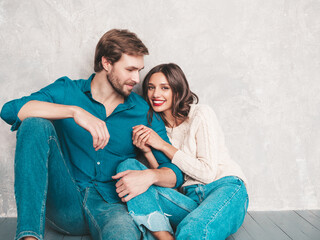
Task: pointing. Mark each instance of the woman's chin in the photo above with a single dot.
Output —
(156, 109)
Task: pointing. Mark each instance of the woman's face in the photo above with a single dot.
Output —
(160, 93)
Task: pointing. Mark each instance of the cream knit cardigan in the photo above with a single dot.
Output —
(202, 154)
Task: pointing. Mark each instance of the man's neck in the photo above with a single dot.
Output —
(103, 92)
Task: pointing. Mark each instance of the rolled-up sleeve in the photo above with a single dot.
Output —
(159, 127)
(52, 93)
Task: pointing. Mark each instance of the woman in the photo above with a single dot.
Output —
(212, 179)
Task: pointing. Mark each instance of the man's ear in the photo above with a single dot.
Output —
(106, 64)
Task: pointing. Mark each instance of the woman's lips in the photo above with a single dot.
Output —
(157, 103)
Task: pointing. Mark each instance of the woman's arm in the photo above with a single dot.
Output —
(140, 135)
(151, 138)
(208, 138)
(152, 160)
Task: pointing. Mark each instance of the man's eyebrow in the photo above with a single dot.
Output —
(134, 67)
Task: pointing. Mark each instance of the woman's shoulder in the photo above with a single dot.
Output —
(200, 110)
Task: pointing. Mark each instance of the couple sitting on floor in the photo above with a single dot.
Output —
(75, 165)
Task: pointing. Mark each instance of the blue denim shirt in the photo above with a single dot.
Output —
(92, 168)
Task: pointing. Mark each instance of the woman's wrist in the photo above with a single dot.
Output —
(147, 153)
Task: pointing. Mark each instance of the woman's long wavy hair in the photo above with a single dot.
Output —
(182, 95)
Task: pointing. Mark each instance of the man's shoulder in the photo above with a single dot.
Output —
(67, 82)
(138, 100)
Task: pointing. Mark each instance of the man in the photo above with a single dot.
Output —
(64, 168)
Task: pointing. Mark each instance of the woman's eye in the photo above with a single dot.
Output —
(150, 88)
(165, 88)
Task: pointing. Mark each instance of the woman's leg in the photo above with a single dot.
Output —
(156, 208)
(223, 205)
(43, 184)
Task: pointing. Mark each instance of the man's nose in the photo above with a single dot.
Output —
(135, 77)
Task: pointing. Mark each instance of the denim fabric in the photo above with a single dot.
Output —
(221, 211)
(158, 207)
(92, 168)
(108, 220)
(44, 186)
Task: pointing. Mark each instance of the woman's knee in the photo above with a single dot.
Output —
(130, 164)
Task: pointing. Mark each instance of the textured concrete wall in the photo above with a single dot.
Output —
(255, 62)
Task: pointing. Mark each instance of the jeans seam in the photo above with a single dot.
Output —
(53, 138)
(224, 204)
(60, 229)
(89, 213)
(44, 199)
(64, 162)
(200, 193)
(188, 210)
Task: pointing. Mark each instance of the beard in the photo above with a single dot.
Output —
(117, 86)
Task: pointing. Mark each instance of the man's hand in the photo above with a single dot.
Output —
(94, 125)
(54, 111)
(132, 183)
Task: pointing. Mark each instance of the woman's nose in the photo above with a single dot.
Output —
(156, 93)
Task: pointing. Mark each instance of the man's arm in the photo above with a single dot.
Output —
(54, 111)
(135, 182)
(132, 183)
(48, 103)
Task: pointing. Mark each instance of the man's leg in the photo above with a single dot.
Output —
(43, 183)
(158, 207)
(223, 205)
(108, 221)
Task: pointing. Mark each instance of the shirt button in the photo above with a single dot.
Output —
(98, 163)
(96, 184)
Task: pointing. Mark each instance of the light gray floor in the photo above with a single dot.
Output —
(297, 225)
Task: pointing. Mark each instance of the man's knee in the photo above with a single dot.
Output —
(35, 127)
(130, 164)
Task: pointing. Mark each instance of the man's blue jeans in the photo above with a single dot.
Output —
(44, 187)
(212, 211)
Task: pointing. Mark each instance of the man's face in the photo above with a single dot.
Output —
(124, 74)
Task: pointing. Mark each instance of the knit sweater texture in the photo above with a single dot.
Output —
(202, 155)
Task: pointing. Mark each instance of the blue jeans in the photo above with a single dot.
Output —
(157, 209)
(46, 191)
(216, 210)
(222, 207)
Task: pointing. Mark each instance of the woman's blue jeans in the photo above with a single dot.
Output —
(212, 211)
(222, 207)
(157, 209)
(46, 190)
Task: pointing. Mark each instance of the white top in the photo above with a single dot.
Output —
(202, 155)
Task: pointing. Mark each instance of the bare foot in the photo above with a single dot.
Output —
(162, 235)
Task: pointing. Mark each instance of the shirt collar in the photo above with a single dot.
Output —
(87, 85)
(128, 102)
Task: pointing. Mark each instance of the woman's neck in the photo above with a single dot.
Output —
(171, 120)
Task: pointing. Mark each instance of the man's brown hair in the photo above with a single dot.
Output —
(116, 42)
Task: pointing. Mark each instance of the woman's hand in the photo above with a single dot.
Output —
(139, 138)
(147, 136)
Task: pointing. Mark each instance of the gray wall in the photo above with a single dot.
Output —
(255, 62)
